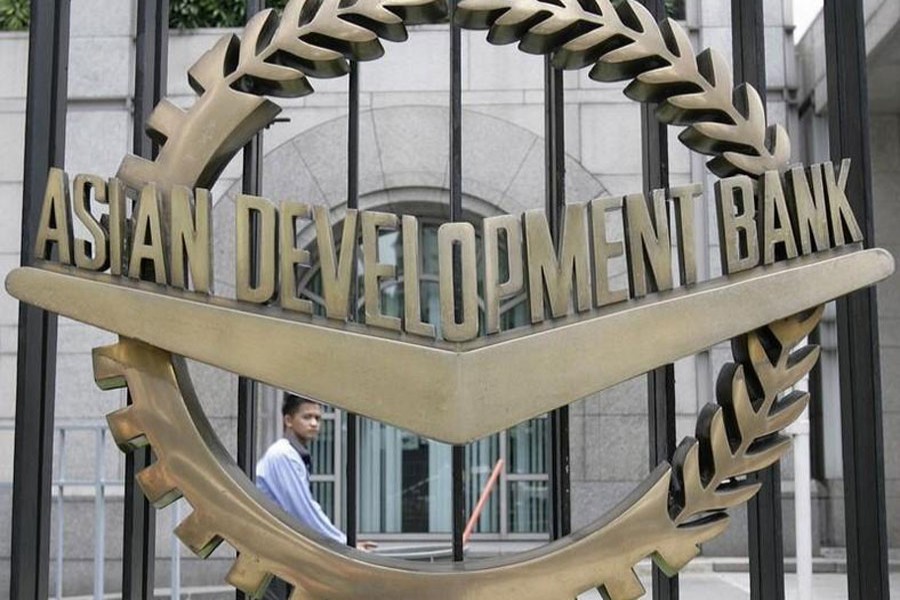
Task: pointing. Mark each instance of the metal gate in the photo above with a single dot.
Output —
(857, 315)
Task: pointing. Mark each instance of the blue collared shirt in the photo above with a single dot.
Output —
(283, 477)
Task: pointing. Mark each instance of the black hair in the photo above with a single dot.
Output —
(292, 402)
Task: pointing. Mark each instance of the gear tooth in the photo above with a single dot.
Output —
(625, 586)
(125, 430)
(109, 374)
(136, 172)
(158, 487)
(248, 575)
(195, 533)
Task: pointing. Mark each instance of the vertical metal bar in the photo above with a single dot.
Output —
(175, 570)
(61, 515)
(748, 43)
(248, 390)
(555, 199)
(766, 545)
(151, 56)
(661, 381)
(458, 452)
(503, 486)
(857, 314)
(99, 515)
(45, 142)
(816, 418)
(351, 496)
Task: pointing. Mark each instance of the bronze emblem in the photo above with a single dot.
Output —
(779, 232)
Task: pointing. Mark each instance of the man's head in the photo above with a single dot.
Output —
(302, 417)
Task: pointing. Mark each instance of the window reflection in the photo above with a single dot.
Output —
(405, 481)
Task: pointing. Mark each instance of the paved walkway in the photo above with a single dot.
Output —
(736, 586)
(695, 585)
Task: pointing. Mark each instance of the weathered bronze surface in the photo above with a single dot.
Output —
(94, 254)
(337, 271)
(55, 211)
(412, 266)
(452, 392)
(546, 270)
(191, 239)
(446, 390)
(604, 251)
(495, 291)
(375, 270)
(250, 209)
(273, 58)
(459, 312)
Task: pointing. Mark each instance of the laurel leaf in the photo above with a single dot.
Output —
(677, 40)
(673, 554)
(792, 330)
(733, 395)
(416, 12)
(585, 49)
(662, 75)
(250, 41)
(717, 72)
(736, 437)
(479, 14)
(750, 105)
(715, 442)
(279, 81)
(717, 133)
(212, 67)
(779, 143)
(800, 363)
(736, 492)
(690, 102)
(628, 53)
(517, 14)
(731, 163)
(787, 410)
(765, 454)
(710, 137)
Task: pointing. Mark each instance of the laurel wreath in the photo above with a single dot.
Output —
(623, 41)
(275, 57)
(679, 506)
(316, 38)
(740, 434)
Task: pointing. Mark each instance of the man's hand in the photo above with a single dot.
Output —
(366, 546)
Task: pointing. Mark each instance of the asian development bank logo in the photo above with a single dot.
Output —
(788, 238)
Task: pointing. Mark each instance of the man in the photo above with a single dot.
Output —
(283, 475)
(283, 472)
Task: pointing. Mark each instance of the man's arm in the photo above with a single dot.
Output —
(286, 481)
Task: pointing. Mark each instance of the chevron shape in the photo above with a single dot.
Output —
(451, 392)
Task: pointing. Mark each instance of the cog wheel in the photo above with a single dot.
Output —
(666, 518)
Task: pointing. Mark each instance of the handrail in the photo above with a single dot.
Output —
(482, 500)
